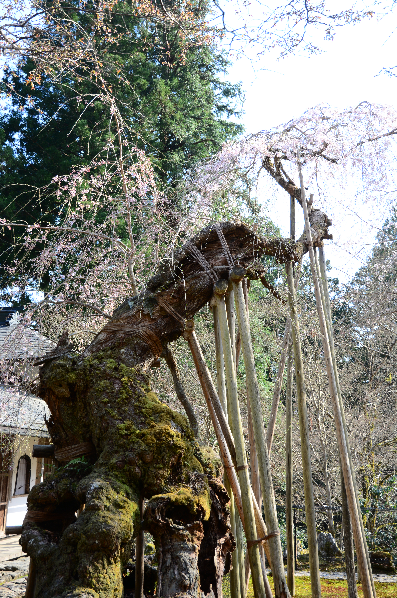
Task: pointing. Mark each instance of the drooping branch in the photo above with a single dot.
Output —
(180, 391)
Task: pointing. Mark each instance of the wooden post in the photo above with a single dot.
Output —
(288, 480)
(289, 522)
(220, 289)
(348, 542)
(277, 387)
(30, 585)
(346, 465)
(327, 309)
(235, 574)
(280, 584)
(304, 434)
(231, 319)
(228, 462)
(208, 386)
(140, 554)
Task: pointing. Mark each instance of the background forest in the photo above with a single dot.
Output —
(119, 139)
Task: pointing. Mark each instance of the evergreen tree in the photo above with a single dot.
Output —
(170, 97)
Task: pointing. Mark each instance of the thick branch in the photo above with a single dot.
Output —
(144, 327)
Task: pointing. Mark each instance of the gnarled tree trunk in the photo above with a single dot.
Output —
(102, 406)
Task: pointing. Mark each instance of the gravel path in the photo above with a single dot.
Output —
(381, 577)
(13, 576)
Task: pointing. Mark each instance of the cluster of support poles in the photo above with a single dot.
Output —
(247, 495)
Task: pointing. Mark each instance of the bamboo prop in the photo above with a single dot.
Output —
(31, 583)
(243, 569)
(235, 574)
(208, 387)
(229, 465)
(277, 387)
(269, 502)
(359, 541)
(254, 466)
(280, 374)
(139, 555)
(256, 489)
(304, 434)
(227, 460)
(220, 364)
(289, 525)
(348, 542)
(327, 305)
(289, 521)
(231, 319)
(220, 289)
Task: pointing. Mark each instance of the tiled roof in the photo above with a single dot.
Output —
(19, 342)
(22, 413)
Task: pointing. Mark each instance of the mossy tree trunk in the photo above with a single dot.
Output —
(139, 447)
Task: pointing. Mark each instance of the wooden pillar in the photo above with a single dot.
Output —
(220, 289)
(327, 309)
(235, 575)
(288, 479)
(140, 554)
(359, 540)
(305, 443)
(280, 584)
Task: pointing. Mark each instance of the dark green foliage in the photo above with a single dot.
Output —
(171, 101)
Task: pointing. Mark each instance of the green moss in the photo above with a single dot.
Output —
(143, 447)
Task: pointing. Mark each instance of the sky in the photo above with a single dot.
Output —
(346, 72)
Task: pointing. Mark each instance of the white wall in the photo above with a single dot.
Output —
(17, 505)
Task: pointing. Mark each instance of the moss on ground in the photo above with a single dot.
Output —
(330, 588)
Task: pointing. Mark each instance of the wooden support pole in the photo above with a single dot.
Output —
(269, 502)
(359, 541)
(30, 585)
(235, 574)
(289, 520)
(280, 374)
(231, 320)
(277, 387)
(220, 289)
(256, 486)
(227, 461)
(348, 542)
(304, 434)
(140, 554)
(288, 479)
(327, 310)
(220, 364)
(208, 386)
